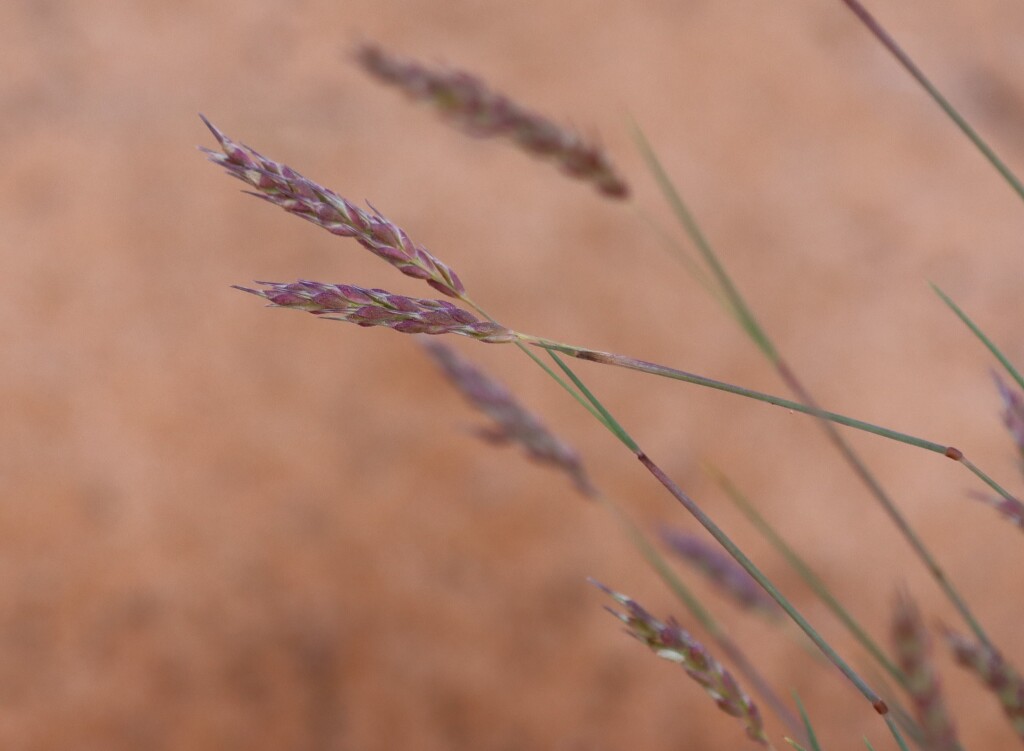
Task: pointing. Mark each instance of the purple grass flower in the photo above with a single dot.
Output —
(721, 569)
(671, 642)
(284, 187)
(512, 422)
(467, 103)
(377, 307)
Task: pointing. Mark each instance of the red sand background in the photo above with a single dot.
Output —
(225, 527)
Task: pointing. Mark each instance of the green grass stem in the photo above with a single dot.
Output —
(982, 337)
(698, 513)
(911, 67)
(895, 730)
(643, 366)
(749, 324)
(812, 739)
(805, 572)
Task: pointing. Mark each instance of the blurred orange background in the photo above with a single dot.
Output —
(230, 527)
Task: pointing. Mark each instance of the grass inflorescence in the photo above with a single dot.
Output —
(469, 104)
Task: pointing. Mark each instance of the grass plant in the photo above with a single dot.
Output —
(466, 102)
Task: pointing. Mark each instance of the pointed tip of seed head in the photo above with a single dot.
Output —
(607, 590)
(256, 292)
(361, 48)
(213, 129)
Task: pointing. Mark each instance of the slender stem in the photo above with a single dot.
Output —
(901, 714)
(812, 739)
(650, 553)
(723, 539)
(807, 574)
(690, 505)
(657, 562)
(976, 330)
(735, 303)
(894, 729)
(807, 405)
(897, 518)
(903, 58)
(574, 394)
(622, 361)
(716, 532)
(679, 253)
(985, 478)
(747, 320)
(728, 647)
(606, 417)
(540, 363)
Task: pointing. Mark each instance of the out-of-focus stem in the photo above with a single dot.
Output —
(910, 66)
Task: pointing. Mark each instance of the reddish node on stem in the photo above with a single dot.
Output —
(954, 453)
(881, 707)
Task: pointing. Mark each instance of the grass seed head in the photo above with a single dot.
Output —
(282, 186)
(672, 642)
(511, 421)
(378, 307)
(469, 104)
(721, 569)
(912, 647)
(993, 670)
